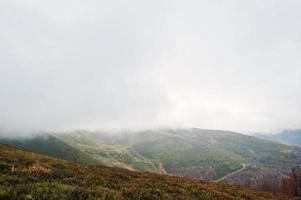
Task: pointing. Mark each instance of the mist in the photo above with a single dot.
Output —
(128, 64)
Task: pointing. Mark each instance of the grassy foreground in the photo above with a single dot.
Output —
(28, 175)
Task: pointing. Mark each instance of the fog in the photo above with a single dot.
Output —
(129, 64)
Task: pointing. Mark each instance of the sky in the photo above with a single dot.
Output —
(135, 64)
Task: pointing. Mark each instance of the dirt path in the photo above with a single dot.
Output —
(232, 173)
(161, 169)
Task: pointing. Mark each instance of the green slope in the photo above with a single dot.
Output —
(27, 175)
(107, 150)
(50, 145)
(196, 153)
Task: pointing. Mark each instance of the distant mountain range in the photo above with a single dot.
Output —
(196, 153)
(290, 137)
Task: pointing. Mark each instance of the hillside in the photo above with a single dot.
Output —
(28, 175)
(220, 156)
(194, 153)
(110, 150)
(49, 145)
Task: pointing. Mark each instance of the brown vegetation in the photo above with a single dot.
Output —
(40, 177)
(292, 184)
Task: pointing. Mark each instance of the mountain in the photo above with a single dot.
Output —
(194, 153)
(215, 155)
(110, 150)
(49, 145)
(290, 137)
(28, 175)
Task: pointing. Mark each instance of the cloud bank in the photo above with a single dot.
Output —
(139, 64)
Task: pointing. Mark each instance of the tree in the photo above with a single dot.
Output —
(292, 184)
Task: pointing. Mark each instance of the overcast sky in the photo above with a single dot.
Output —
(69, 64)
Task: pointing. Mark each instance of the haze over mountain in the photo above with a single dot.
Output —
(215, 155)
(290, 137)
(165, 94)
(69, 64)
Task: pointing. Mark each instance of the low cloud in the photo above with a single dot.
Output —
(144, 64)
